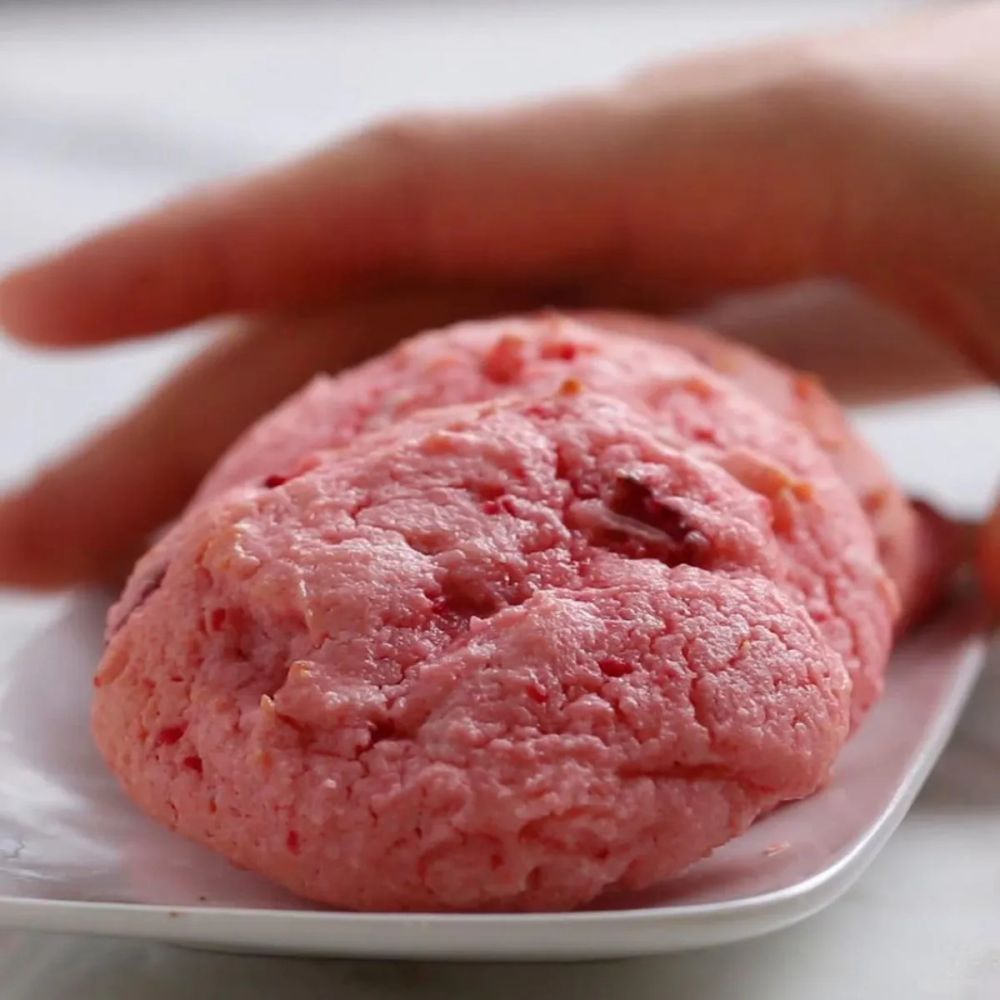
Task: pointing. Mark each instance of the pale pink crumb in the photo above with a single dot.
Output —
(779, 847)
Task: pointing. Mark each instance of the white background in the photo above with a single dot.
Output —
(106, 106)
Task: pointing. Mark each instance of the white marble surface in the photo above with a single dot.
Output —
(106, 106)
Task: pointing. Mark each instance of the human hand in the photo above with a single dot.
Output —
(870, 155)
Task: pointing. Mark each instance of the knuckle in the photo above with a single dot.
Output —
(407, 137)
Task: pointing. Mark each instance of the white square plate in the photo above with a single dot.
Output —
(76, 857)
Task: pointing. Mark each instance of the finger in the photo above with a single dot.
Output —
(88, 515)
(662, 192)
(366, 210)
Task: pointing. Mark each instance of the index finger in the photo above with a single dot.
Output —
(662, 192)
(411, 199)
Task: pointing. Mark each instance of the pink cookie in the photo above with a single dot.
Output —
(505, 656)
(834, 567)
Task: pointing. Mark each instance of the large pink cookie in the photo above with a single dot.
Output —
(505, 656)
(835, 570)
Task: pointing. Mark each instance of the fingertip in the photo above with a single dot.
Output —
(141, 277)
(23, 301)
(57, 301)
